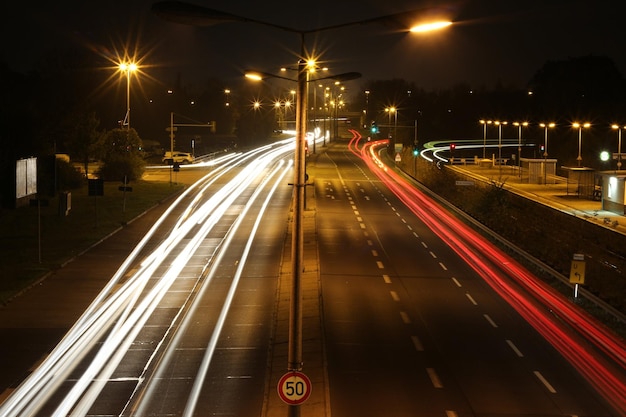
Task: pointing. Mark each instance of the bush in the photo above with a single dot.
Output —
(117, 166)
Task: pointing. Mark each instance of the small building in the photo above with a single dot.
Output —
(539, 171)
(581, 181)
(614, 191)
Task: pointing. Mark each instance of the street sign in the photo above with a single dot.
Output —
(294, 388)
(577, 272)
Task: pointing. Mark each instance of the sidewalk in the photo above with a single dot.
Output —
(553, 195)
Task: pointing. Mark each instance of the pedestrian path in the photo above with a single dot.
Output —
(554, 195)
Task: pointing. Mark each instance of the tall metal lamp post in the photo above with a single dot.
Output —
(485, 123)
(191, 14)
(546, 126)
(580, 126)
(499, 124)
(128, 68)
(519, 144)
(619, 144)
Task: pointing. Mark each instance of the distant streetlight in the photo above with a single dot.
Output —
(499, 124)
(619, 144)
(128, 68)
(546, 126)
(580, 127)
(519, 144)
(191, 14)
(392, 110)
(485, 123)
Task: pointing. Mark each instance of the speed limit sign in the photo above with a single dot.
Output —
(294, 388)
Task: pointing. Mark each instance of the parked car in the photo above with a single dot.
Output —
(177, 157)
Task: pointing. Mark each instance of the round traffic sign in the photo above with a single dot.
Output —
(294, 388)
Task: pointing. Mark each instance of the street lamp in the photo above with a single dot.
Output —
(485, 123)
(545, 149)
(499, 124)
(191, 14)
(128, 68)
(519, 144)
(580, 126)
(392, 110)
(619, 144)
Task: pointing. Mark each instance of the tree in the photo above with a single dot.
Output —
(121, 155)
(84, 138)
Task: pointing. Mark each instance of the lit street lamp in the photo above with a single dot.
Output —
(392, 110)
(499, 124)
(128, 68)
(580, 126)
(619, 144)
(519, 144)
(545, 149)
(485, 123)
(191, 14)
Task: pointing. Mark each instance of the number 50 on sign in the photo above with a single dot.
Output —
(294, 388)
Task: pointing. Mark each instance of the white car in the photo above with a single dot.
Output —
(177, 157)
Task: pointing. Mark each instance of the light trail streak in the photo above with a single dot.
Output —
(607, 376)
(123, 307)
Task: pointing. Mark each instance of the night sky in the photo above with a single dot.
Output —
(491, 41)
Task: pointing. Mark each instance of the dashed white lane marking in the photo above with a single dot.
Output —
(409, 227)
(450, 413)
(380, 265)
(417, 343)
(362, 225)
(386, 279)
(394, 296)
(545, 382)
(416, 235)
(369, 242)
(374, 253)
(515, 349)
(441, 264)
(490, 321)
(359, 219)
(433, 254)
(434, 378)
(469, 297)
(356, 213)
(458, 284)
(424, 244)
(405, 318)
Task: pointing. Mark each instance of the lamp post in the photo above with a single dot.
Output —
(392, 110)
(580, 126)
(619, 144)
(519, 144)
(499, 124)
(191, 14)
(545, 126)
(128, 68)
(485, 123)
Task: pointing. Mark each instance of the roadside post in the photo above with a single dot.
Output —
(577, 272)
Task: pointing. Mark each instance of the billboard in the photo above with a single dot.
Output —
(25, 177)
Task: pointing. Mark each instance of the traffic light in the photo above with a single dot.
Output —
(374, 128)
(542, 148)
(452, 147)
(416, 151)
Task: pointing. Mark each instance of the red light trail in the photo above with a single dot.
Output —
(568, 328)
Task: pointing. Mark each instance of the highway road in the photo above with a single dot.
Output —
(421, 317)
(411, 329)
(183, 327)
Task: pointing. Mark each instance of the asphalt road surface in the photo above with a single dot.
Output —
(410, 329)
